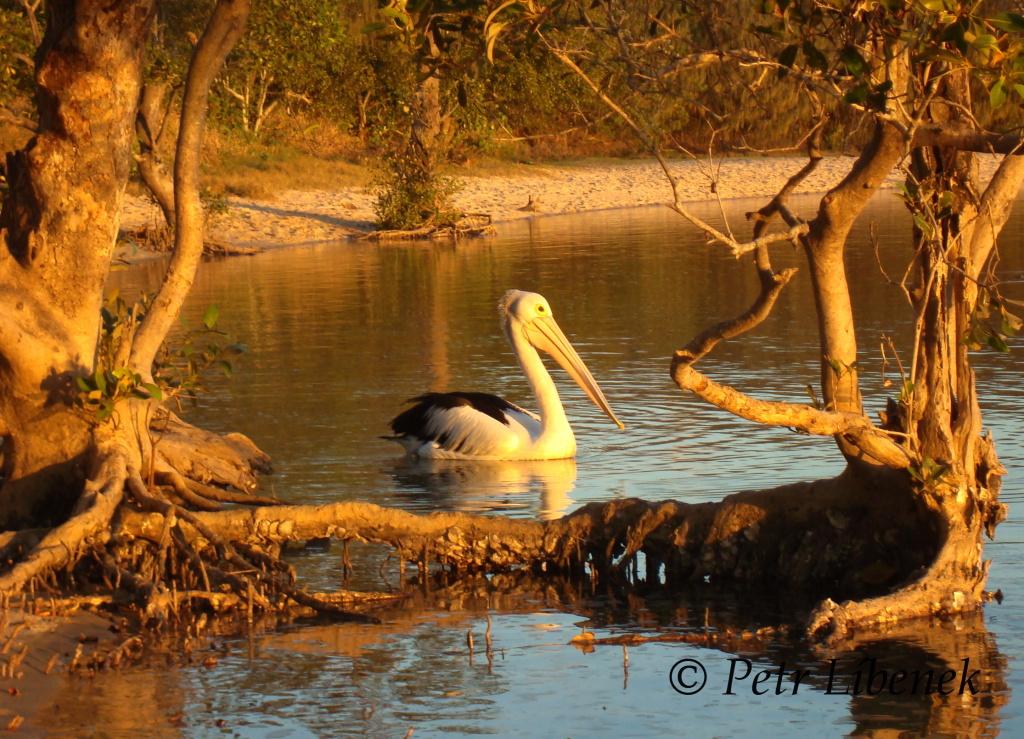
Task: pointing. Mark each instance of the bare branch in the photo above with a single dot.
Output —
(8, 116)
(31, 8)
(224, 29)
(857, 429)
(967, 139)
(704, 342)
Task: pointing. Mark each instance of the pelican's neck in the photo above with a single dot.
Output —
(552, 415)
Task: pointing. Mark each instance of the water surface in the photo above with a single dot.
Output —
(339, 335)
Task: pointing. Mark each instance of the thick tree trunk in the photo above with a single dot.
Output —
(66, 189)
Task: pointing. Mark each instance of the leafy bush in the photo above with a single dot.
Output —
(411, 193)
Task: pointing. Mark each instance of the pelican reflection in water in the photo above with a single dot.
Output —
(482, 426)
(481, 486)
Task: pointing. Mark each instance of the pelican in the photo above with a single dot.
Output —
(482, 426)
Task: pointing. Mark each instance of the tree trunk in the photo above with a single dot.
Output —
(66, 190)
(149, 127)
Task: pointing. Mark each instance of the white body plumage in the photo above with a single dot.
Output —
(483, 426)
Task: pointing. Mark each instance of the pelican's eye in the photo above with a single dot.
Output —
(541, 309)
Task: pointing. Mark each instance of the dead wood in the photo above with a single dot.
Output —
(469, 226)
(161, 240)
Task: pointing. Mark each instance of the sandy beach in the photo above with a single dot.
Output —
(297, 217)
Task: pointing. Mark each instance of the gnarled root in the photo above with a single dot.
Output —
(184, 556)
(832, 539)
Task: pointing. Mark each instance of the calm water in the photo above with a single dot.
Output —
(339, 335)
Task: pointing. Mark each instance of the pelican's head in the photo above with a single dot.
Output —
(529, 315)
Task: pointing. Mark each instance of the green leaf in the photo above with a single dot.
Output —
(997, 93)
(497, 10)
(1008, 22)
(400, 18)
(83, 385)
(210, 316)
(923, 226)
(104, 411)
(788, 56)
(856, 95)
(373, 27)
(998, 344)
(154, 390)
(101, 380)
(225, 366)
(492, 33)
(854, 62)
(1011, 323)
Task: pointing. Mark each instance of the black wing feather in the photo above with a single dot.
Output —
(414, 421)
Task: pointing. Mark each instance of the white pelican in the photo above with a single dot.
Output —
(483, 426)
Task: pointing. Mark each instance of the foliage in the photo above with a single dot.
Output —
(992, 323)
(177, 371)
(15, 46)
(411, 194)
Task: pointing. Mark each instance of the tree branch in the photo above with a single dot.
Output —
(225, 27)
(8, 116)
(962, 138)
(854, 426)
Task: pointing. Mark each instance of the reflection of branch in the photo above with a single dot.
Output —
(856, 428)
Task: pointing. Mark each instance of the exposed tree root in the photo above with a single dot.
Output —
(816, 538)
(96, 507)
(172, 544)
(229, 460)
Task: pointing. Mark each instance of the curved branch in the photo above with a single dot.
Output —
(996, 206)
(705, 341)
(224, 29)
(962, 138)
(7, 116)
(857, 429)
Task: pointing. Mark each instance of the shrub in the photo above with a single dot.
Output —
(410, 193)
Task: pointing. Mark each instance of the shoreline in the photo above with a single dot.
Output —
(316, 216)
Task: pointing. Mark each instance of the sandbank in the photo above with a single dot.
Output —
(297, 217)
